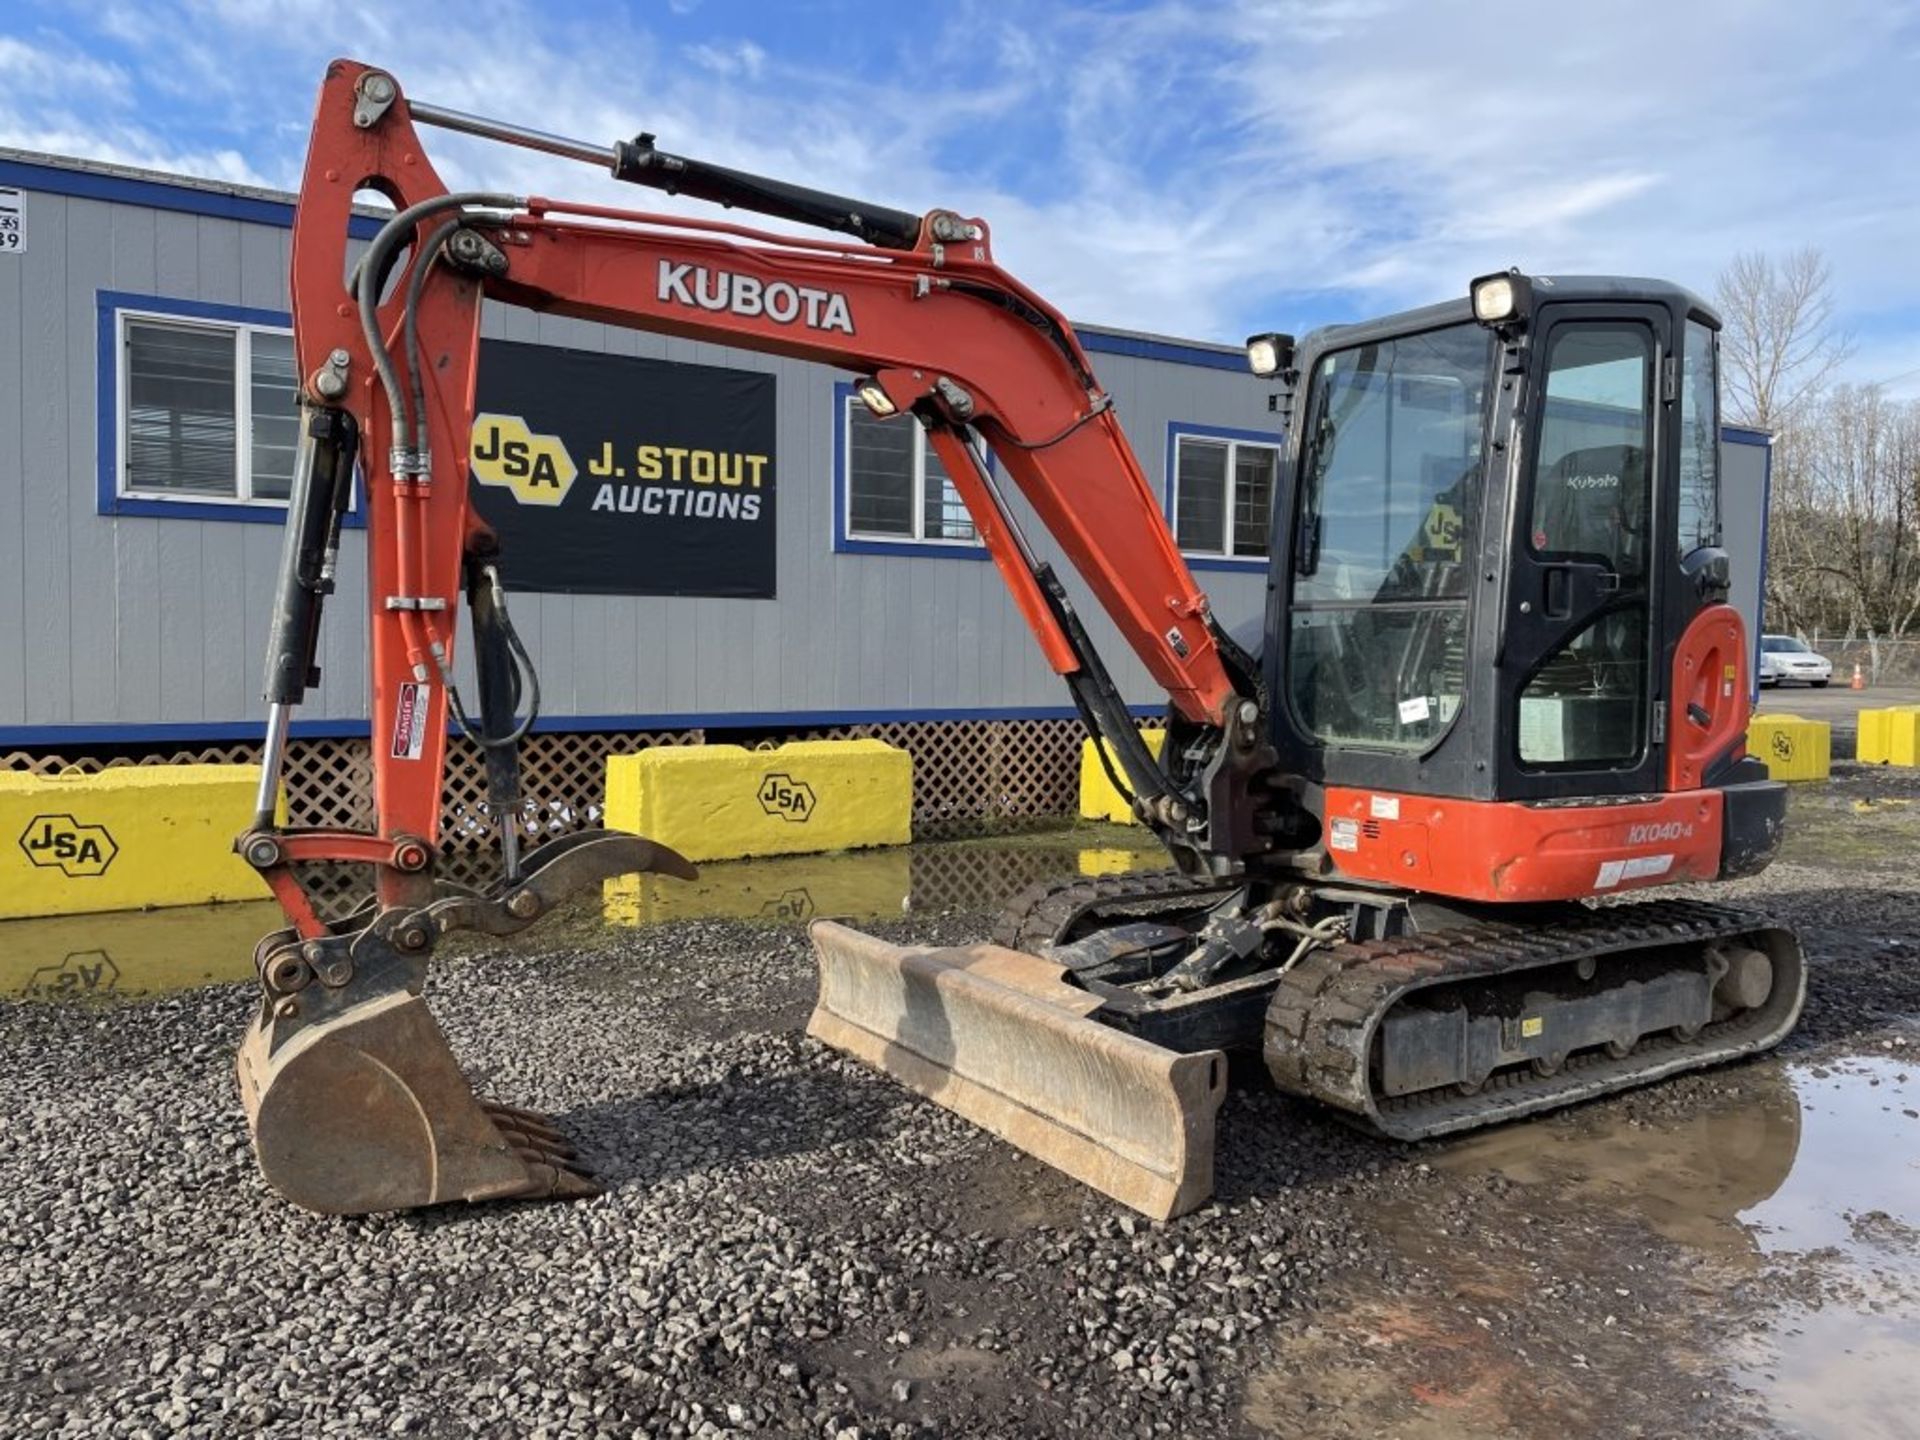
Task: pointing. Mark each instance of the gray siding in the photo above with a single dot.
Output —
(125, 621)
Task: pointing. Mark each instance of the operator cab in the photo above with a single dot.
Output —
(1497, 519)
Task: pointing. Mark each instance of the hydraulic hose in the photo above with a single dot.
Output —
(366, 289)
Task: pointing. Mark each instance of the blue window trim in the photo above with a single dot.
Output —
(197, 732)
(1239, 564)
(108, 499)
(845, 544)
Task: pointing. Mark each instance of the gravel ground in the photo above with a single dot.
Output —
(790, 1245)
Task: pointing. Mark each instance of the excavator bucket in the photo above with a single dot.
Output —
(1002, 1039)
(369, 1112)
(352, 1095)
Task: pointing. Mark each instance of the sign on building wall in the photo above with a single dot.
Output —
(612, 475)
(13, 224)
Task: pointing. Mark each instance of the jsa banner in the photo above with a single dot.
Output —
(610, 475)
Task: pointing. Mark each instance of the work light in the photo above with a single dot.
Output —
(1269, 354)
(1502, 298)
(875, 399)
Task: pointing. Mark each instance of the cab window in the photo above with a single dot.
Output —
(1699, 441)
(1591, 490)
(1385, 532)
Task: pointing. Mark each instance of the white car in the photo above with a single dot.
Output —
(1783, 658)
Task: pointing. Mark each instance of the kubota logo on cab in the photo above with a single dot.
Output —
(536, 468)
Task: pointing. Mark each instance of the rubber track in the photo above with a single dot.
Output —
(1039, 915)
(1321, 1023)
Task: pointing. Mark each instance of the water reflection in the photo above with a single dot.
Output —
(1817, 1162)
(82, 957)
(863, 884)
(98, 957)
(1779, 1168)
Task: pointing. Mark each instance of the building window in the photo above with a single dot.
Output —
(1222, 500)
(897, 489)
(207, 410)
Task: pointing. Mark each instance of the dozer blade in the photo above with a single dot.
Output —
(367, 1111)
(1000, 1038)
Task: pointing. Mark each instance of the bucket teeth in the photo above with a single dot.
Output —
(525, 1122)
(537, 1139)
(552, 1182)
(515, 1112)
(553, 1167)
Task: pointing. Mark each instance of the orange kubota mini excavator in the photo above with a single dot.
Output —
(1500, 681)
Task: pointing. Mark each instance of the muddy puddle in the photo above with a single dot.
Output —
(100, 957)
(1792, 1196)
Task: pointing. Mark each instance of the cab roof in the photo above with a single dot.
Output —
(1547, 289)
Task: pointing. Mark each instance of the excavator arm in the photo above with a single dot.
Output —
(936, 328)
(387, 343)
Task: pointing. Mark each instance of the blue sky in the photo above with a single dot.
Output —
(1193, 169)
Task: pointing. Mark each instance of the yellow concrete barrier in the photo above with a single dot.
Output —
(124, 839)
(1890, 736)
(720, 802)
(1793, 749)
(1098, 799)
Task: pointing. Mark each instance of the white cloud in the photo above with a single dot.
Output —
(38, 71)
(745, 58)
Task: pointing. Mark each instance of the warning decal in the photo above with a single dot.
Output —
(410, 721)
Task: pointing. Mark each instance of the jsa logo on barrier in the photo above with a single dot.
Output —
(537, 468)
(751, 296)
(786, 797)
(60, 842)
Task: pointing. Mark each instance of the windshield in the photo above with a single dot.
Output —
(1782, 645)
(1388, 514)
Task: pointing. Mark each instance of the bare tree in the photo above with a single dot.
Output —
(1779, 345)
(1844, 537)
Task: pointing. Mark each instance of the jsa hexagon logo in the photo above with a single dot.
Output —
(536, 468)
(60, 842)
(787, 797)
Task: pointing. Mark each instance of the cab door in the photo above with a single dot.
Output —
(1579, 667)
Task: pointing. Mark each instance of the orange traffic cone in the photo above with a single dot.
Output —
(1859, 680)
